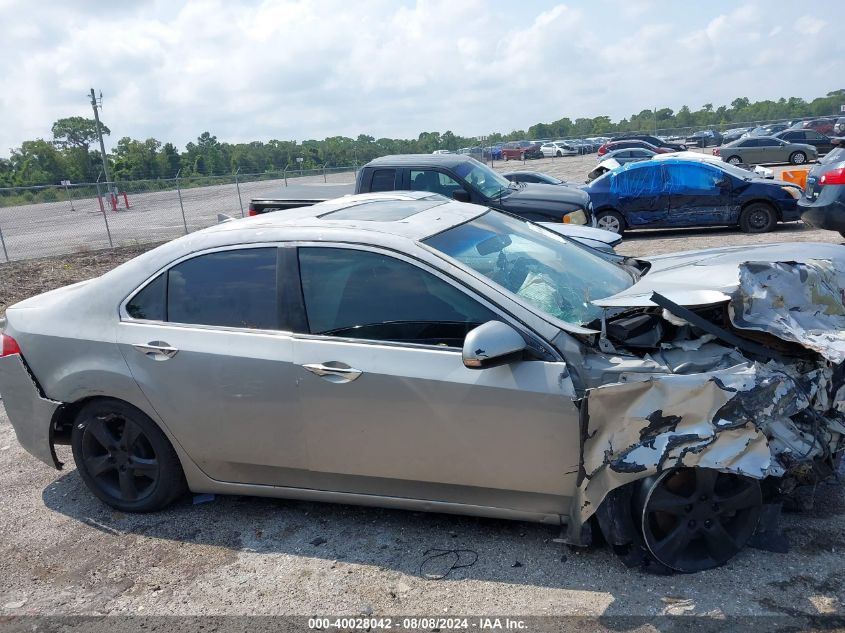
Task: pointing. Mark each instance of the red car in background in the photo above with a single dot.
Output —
(823, 125)
(631, 144)
(520, 150)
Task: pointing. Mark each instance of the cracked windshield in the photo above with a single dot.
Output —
(548, 271)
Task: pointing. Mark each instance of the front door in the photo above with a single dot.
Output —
(204, 342)
(696, 197)
(391, 409)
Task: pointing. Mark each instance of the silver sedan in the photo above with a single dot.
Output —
(427, 354)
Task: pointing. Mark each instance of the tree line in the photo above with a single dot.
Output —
(72, 153)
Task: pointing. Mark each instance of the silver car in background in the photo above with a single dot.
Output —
(432, 355)
(754, 150)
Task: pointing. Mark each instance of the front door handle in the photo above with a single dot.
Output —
(156, 350)
(333, 371)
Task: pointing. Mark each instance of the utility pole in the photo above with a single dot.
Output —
(96, 105)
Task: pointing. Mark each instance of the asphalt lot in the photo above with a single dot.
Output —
(64, 552)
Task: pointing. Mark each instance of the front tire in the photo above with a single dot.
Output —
(757, 218)
(693, 519)
(797, 158)
(610, 221)
(559, 154)
(124, 458)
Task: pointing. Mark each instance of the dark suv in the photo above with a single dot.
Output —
(520, 150)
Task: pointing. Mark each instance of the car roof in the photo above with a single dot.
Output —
(413, 215)
(434, 160)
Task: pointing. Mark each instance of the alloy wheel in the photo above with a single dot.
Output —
(119, 458)
(697, 518)
(609, 223)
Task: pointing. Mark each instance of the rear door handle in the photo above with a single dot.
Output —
(156, 350)
(333, 371)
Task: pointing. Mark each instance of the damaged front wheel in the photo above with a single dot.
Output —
(694, 519)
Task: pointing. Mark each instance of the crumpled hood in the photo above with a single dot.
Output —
(695, 278)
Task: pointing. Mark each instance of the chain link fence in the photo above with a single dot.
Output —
(60, 220)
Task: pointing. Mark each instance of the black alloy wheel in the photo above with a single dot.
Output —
(694, 519)
(124, 458)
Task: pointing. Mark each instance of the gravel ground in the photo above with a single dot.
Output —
(63, 552)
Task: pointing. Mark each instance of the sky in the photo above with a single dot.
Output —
(309, 69)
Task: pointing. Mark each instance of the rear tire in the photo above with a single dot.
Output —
(610, 221)
(693, 519)
(559, 154)
(124, 458)
(797, 158)
(734, 160)
(757, 217)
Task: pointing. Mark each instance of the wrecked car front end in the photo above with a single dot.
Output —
(741, 375)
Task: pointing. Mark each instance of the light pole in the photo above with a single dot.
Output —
(97, 104)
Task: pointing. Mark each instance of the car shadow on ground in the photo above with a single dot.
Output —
(479, 549)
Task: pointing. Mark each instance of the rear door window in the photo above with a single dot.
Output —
(234, 288)
(640, 181)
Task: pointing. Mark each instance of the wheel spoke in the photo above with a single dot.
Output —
(128, 488)
(705, 481)
(143, 466)
(664, 501)
(746, 497)
(669, 548)
(131, 432)
(720, 543)
(101, 432)
(98, 465)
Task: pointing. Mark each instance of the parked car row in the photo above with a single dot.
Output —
(819, 132)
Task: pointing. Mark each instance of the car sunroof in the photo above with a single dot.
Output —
(387, 211)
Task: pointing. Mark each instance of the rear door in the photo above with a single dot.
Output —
(208, 344)
(695, 197)
(639, 194)
(391, 409)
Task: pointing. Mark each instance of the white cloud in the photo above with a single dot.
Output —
(298, 69)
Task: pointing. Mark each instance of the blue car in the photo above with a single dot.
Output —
(677, 192)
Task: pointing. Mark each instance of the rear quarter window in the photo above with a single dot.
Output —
(383, 180)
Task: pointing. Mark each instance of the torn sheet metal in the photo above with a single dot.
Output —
(797, 302)
(30, 413)
(746, 419)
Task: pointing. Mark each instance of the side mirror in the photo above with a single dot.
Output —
(492, 344)
(724, 183)
(461, 195)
